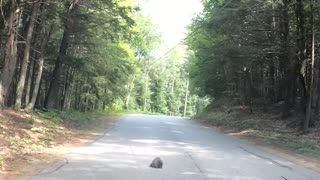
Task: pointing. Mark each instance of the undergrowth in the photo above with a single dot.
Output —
(63, 116)
(263, 126)
(77, 118)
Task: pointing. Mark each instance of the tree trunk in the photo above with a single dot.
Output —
(35, 92)
(29, 81)
(50, 101)
(68, 90)
(313, 93)
(301, 44)
(10, 58)
(287, 63)
(26, 56)
(77, 95)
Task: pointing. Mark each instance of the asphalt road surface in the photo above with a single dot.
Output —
(188, 150)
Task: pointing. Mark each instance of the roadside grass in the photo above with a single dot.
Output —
(264, 127)
(303, 146)
(58, 117)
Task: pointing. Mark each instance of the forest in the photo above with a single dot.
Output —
(245, 68)
(258, 54)
(87, 55)
(90, 55)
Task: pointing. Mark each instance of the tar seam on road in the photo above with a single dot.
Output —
(188, 153)
(268, 159)
(194, 161)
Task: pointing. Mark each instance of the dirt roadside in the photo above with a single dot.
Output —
(29, 161)
(283, 151)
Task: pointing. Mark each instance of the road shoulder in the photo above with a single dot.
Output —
(267, 145)
(51, 157)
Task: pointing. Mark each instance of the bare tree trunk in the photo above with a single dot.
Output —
(77, 96)
(80, 99)
(26, 56)
(35, 92)
(67, 99)
(287, 59)
(313, 93)
(50, 101)
(250, 89)
(68, 89)
(10, 58)
(301, 44)
(29, 81)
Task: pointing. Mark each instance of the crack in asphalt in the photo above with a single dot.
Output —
(268, 159)
(203, 174)
(194, 161)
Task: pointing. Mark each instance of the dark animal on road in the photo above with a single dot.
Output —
(156, 163)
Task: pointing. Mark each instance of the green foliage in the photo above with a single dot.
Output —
(305, 147)
(35, 129)
(1, 162)
(53, 116)
(33, 119)
(19, 142)
(243, 50)
(116, 106)
(227, 46)
(48, 137)
(101, 55)
(75, 116)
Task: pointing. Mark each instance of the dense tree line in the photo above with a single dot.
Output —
(258, 53)
(86, 55)
(65, 55)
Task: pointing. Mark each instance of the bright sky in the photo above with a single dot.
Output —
(172, 16)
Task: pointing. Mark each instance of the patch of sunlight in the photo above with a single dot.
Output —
(189, 173)
(249, 131)
(146, 141)
(178, 132)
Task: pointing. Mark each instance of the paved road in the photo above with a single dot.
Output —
(189, 151)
